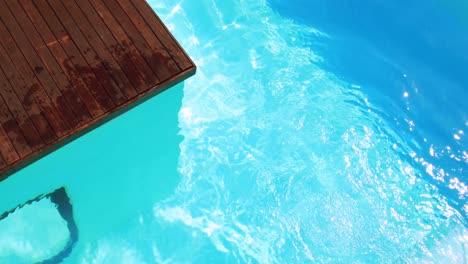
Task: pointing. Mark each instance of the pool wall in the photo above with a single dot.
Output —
(112, 173)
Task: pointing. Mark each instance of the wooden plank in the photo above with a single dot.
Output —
(3, 163)
(71, 97)
(62, 59)
(65, 116)
(92, 76)
(30, 72)
(95, 61)
(158, 59)
(159, 29)
(150, 37)
(133, 64)
(7, 150)
(123, 39)
(113, 67)
(13, 131)
(15, 107)
(27, 96)
(68, 66)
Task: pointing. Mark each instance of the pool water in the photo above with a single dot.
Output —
(313, 132)
(320, 131)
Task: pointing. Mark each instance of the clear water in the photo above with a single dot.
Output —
(21, 239)
(313, 132)
(320, 131)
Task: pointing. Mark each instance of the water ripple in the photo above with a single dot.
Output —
(283, 161)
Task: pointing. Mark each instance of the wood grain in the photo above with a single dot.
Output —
(68, 66)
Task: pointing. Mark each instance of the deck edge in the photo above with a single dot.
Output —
(95, 123)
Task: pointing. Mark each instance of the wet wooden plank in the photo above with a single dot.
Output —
(7, 150)
(65, 116)
(14, 133)
(155, 57)
(97, 63)
(13, 106)
(158, 28)
(28, 74)
(91, 76)
(3, 163)
(149, 36)
(71, 97)
(28, 99)
(133, 42)
(116, 45)
(62, 58)
(68, 66)
(107, 55)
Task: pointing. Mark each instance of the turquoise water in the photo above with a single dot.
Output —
(302, 141)
(113, 177)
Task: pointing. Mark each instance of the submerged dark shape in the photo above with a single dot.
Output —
(60, 198)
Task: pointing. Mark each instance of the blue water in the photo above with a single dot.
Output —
(320, 131)
(313, 132)
(403, 48)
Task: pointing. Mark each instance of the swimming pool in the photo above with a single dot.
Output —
(312, 133)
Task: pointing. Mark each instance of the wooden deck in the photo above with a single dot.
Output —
(67, 66)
